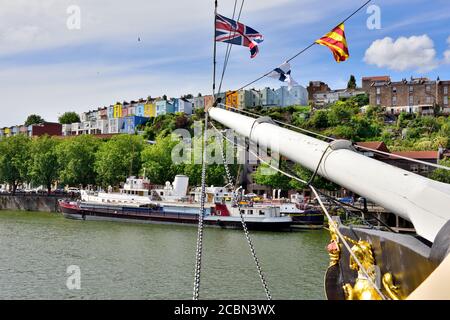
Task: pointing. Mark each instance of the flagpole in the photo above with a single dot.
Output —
(214, 50)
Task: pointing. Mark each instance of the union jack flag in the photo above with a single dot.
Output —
(234, 32)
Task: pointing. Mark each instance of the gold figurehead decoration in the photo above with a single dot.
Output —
(363, 288)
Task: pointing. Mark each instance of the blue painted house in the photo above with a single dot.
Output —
(164, 107)
(131, 123)
(110, 112)
(140, 110)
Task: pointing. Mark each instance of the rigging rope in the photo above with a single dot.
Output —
(331, 221)
(303, 50)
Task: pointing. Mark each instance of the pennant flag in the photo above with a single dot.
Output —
(336, 42)
(234, 32)
(283, 73)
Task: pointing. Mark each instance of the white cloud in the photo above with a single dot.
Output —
(415, 52)
(447, 52)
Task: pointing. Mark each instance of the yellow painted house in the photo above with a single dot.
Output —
(150, 110)
(232, 99)
(118, 111)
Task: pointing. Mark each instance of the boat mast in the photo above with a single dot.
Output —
(420, 200)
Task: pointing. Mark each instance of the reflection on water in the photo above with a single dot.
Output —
(144, 261)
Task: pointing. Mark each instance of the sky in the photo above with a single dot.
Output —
(52, 62)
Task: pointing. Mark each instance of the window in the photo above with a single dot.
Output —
(261, 213)
(242, 211)
(445, 90)
(446, 100)
(394, 100)
(411, 89)
(250, 212)
(428, 88)
(428, 99)
(411, 100)
(394, 89)
(424, 168)
(378, 90)
(378, 100)
(415, 168)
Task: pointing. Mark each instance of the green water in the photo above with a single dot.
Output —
(143, 261)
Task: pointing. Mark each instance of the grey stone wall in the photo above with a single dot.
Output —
(29, 203)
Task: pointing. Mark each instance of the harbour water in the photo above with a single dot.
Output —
(145, 261)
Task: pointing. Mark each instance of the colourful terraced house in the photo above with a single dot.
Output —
(117, 110)
(130, 124)
(150, 110)
(164, 107)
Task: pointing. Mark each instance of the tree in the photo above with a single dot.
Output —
(76, 158)
(319, 120)
(118, 159)
(305, 174)
(361, 99)
(267, 176)
(351, 83)
(14, 160)
(69, 118)
(442, 175)
(341, 112)
(34, 119)
(44, 162)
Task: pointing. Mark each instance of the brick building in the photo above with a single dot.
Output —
(316, 87)
(417, 95)
(46, 128)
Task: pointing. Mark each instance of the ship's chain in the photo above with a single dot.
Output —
(244, 225)
(199, 249)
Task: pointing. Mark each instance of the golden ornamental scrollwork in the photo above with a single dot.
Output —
(391, 289)
(334, 247)
(363, 288)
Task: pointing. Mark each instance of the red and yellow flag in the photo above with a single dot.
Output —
(335, 40)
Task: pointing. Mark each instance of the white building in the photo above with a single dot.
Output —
(298, 95)
(325, 98)
(268, 97)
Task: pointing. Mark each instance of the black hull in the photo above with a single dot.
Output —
(158, 217)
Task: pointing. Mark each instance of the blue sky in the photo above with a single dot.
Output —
(47, 69)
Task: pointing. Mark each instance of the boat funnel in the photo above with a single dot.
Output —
(180, 185)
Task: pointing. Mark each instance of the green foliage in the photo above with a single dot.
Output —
(76, 158)
(69, 118)
(157, 160)
(34, 119)
(341, 112)
(351, 82)
(118, 158)
(267, 176)
(14, 160)
(44, 166)
(164, 125)
(361, 99)
(319, 120)
(442, 175)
